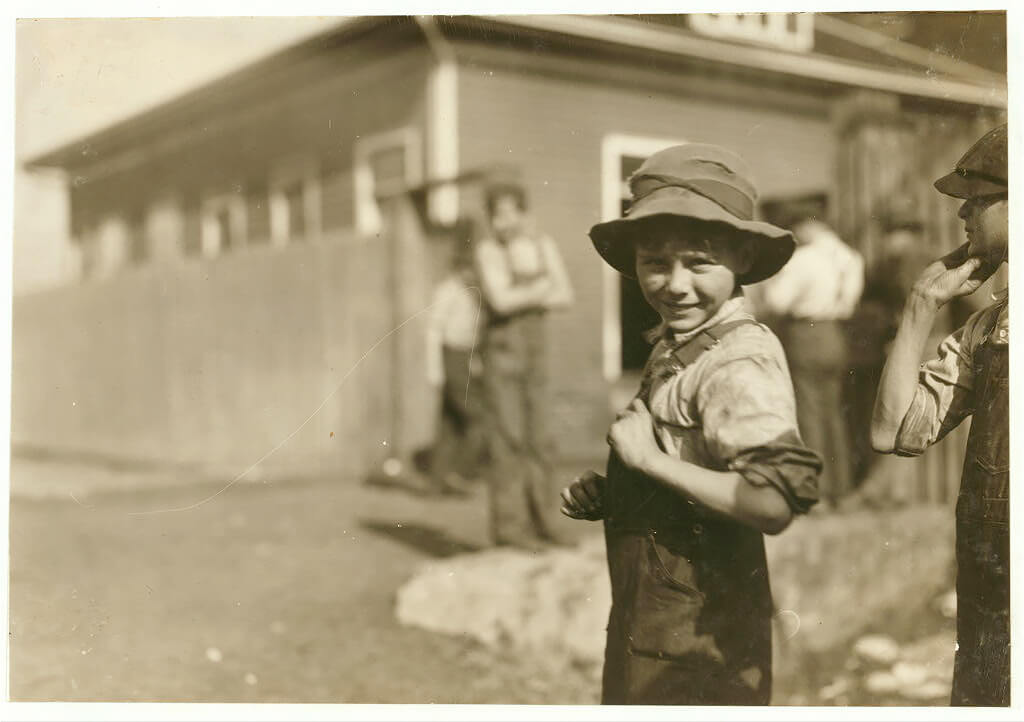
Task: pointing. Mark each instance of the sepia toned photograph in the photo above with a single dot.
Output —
(522, 359)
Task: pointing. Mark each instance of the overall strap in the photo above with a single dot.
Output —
(682, 357)
(706, 339)
(688, 352)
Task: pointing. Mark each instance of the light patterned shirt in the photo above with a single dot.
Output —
(733, 408)
(945, 387)
(456, 317)
(823, 281)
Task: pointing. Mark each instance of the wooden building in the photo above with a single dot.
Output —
(239, 262)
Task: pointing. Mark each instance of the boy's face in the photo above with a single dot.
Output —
(507, 217)
(685, 276)
(986, 220)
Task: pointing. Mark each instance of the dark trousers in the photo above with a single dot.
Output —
(690, 622)
(461, 445)
(818, 362)
(515, 391)
(981, 672)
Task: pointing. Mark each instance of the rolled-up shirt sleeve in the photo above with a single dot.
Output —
(944, 396)
(748, 414)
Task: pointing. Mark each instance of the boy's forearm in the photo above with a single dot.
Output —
(560, 294)
(724, 492)
(899, 376)
(517, 298)
(529, 296)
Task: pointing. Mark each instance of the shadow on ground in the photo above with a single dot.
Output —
(424, 539)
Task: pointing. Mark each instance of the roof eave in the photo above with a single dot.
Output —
(613, 30)
(69, 154)
(633, 33)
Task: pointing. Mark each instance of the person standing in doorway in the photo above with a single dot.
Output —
(522, 277)
(808, 302)
(918, 404)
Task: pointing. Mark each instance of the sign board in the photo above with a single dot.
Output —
(790, 31)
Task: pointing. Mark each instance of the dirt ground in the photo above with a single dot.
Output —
(270, 592)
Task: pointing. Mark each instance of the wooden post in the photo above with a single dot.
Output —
(409, 286)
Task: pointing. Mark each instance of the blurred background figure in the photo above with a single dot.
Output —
(454, 365)
(808, 303)
(523, 277)
(888, 283)
(872, 328)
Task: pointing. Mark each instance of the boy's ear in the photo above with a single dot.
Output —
(744, 256)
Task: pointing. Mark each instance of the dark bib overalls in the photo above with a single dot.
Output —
(981, 674)
(691, 607)
(515, 398)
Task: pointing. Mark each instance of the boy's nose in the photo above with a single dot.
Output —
(681, 281)
(965, 208)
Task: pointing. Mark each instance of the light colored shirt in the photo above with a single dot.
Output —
(525, 257)
(455, 319)
(823, 281)
(733, 408)
(945, 387)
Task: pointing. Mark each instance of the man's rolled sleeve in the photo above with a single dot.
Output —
(943, 397)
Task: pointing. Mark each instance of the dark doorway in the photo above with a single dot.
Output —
(635, 316)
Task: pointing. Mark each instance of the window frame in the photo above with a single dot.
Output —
(368, 219)
(211, 245)
(614, 147)
(305, 171)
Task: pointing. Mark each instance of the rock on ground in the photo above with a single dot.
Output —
(877, 649)
(918, 672)
(842, 573)
(552, 605)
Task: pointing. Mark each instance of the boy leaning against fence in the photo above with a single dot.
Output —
(707, 458)
(918, 404)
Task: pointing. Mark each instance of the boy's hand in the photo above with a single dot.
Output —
(955, 274)
(584, 497)
(632, 436)
(543, 285)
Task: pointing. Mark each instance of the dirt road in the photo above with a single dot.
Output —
(278, 592)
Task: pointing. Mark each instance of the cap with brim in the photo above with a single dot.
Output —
(982, 171)
(699, 185)
(964, 184)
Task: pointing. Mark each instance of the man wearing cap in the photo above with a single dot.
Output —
(707, 458)
(917, 405)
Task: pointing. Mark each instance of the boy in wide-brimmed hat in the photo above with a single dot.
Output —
(917, 405)
(707, 458)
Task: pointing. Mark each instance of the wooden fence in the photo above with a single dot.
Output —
(288, 357)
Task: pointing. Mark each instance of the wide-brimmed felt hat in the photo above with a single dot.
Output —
(982, 171)
(698, 183)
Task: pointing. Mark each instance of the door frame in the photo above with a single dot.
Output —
(613, 147)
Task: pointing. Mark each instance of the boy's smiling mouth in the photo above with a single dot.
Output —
(680, 306)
